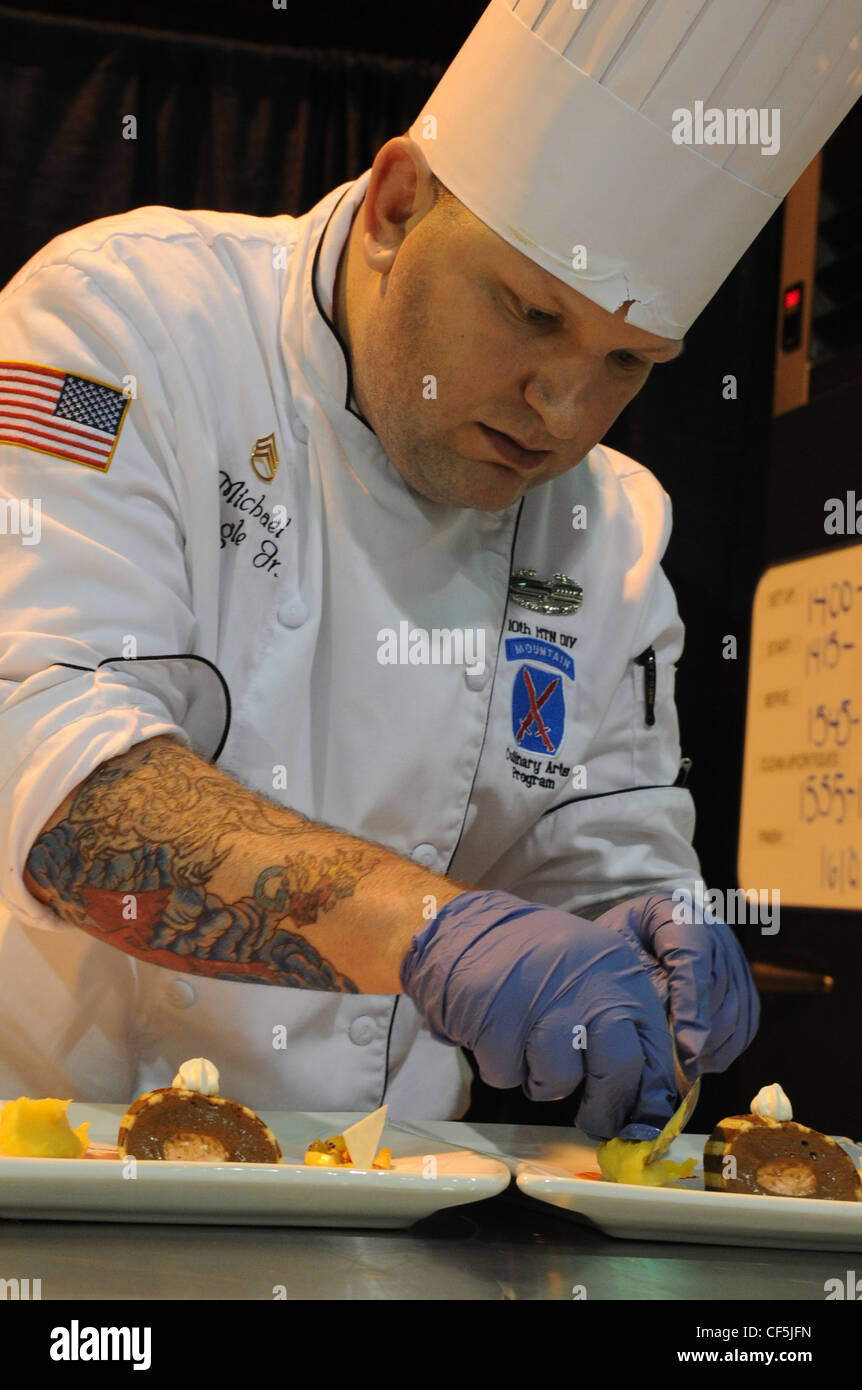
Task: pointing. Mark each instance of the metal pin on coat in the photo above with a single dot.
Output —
(557, 595)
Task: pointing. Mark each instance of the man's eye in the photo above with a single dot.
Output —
(533, 315)
(628, 360)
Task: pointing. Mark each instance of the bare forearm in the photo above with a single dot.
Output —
(171, 860)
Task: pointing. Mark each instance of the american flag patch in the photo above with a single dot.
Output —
(59, 413)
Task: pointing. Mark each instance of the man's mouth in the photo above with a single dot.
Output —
(509, 451)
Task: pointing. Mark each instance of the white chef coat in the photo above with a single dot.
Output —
(264, 652)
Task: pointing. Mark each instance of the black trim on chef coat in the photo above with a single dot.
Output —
(359, 416)
(493, 678)
(478, 760)
(681, 779)
(170, 656)
(330, 323)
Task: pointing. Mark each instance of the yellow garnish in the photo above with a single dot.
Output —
(40, 1129)
(621, 1161)
(333, 1153)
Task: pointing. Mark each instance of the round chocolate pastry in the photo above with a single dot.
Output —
(778, 1158)
(181, 1125)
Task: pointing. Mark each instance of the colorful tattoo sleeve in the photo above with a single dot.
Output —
(132, 861)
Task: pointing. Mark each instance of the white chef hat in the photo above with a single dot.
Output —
(561, 124)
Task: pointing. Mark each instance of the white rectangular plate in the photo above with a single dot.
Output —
(685, 1211)
(424, 1178)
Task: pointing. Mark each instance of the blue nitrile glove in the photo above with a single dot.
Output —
(513, 980)
(701, 975)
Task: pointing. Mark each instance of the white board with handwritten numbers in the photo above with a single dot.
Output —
(801, 817)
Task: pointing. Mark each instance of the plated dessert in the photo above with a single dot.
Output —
(763, 1153)
(767, 1153)
(190, 1122)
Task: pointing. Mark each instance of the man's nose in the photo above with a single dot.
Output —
(562, 393)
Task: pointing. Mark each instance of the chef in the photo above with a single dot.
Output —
(337, 730)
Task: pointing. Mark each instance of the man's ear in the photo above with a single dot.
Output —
(400, 192)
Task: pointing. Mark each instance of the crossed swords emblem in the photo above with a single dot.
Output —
(533, 716)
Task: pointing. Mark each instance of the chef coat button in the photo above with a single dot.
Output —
(293, 612)
(477, 680)
(299, 430)
(426, 855)
(181, 993)
(361, 1030)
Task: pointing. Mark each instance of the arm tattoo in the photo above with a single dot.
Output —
(132, 860)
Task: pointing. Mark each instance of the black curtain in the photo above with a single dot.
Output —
(260, 128)
(221, 124)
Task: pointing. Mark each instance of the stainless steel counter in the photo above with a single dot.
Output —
(507, 1248)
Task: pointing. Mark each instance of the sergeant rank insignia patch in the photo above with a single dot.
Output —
(60, 413)
(264, 458)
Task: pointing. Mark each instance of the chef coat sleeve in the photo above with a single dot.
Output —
(629, 830)
(97, 628)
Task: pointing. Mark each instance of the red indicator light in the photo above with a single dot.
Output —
(792, 298)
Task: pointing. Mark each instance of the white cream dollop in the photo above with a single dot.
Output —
(198, 1074)
(772, 1103)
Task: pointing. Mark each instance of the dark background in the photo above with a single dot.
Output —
(241, 106)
